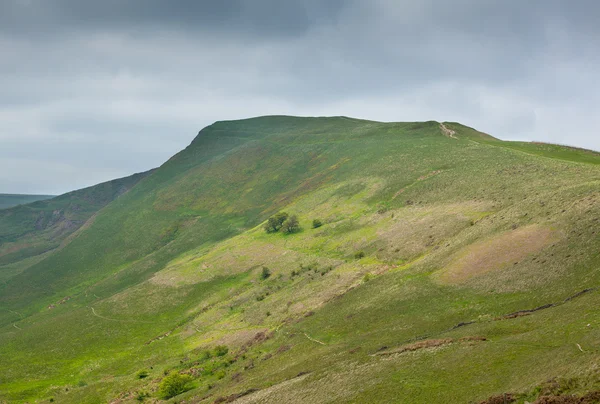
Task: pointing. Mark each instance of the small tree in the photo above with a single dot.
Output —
(291, 225)
(265, 273)
(317, 223)
(174, 384)
(271, 225)
(275, 222)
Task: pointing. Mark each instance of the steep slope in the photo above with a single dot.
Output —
(10, 200)
(29, 231)
(416, 288)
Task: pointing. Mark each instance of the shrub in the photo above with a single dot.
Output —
(291, 225)
(174, 384)
(383, 207)
(317, 223)
(359, 254)
(275, 222)
(221, 350)
(367, 277)
(265, 273)
(142, 374)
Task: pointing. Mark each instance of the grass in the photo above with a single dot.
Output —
(172, 269)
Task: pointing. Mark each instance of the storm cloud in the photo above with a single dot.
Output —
(93, 90)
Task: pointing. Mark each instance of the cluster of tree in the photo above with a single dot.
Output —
(284, 222)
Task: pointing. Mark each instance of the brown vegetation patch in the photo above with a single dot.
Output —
(428, 343)
(500, 399)
(257, 338)
(231, 398)
(589, 398)
(497, 253)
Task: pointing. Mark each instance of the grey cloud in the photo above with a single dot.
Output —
(255, 17)
(95, 90)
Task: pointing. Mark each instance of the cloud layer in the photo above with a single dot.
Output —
(96, 90)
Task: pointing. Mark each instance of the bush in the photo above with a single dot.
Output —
(275, 222)
(359, 254)
(221, 350)
(265, 273)
(326, 270)
(142, 374)
(317, 223)
(291, 225)
(174, 384)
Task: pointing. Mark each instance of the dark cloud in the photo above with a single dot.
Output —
(227, 17)
(93, 90)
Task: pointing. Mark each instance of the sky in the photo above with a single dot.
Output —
(96, 90)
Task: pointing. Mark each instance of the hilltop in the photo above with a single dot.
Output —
(448, 266)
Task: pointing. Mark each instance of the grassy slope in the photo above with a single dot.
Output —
(171, 268)
(30, 232)
(10, 200)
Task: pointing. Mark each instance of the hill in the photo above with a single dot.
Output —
(29, 232)
(10, 200)
(450, 266)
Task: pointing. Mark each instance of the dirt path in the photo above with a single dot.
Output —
(448, 132)
(118, 320)
(17, 327)
(314, 340)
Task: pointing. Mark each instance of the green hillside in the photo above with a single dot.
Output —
(10, 200)
(29, 232)
(444, 266)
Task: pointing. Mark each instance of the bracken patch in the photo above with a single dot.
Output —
(497, 253)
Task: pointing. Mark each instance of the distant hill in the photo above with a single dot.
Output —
(433, 264)
(9, 200)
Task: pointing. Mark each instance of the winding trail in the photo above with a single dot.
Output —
(116, 319)
(448, 132)
(314, 340)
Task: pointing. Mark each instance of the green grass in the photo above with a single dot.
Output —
(171, 269)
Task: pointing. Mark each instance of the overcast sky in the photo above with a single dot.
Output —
(94, 90)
